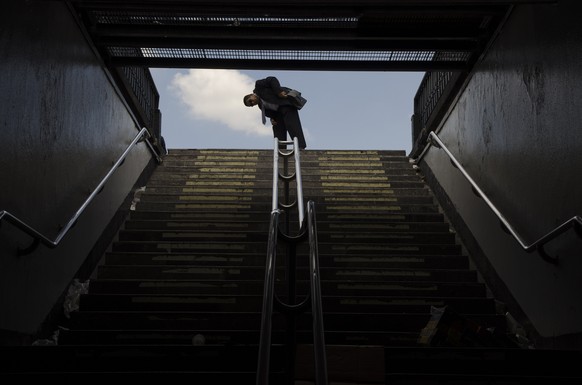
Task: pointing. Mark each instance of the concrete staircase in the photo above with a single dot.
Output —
(179, 294)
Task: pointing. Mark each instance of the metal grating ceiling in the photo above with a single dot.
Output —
(301, 35)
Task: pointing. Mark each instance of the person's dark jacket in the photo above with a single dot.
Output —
(269, 88)
(285, 118)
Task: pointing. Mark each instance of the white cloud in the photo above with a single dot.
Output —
(217, 96)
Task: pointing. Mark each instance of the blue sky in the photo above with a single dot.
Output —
(203, 108)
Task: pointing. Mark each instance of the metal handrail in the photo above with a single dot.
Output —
(269, 295)
(38, 237)
(576, 221)
(268, 300)
(297, 176)
(316, 307)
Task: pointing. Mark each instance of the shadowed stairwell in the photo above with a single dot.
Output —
(179, 293)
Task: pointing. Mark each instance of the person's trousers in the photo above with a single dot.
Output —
(288, 122)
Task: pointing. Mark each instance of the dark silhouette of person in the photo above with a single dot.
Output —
(272, 100)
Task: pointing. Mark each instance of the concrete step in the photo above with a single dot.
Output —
(232, 153)
(211, 187)
(210, 259)
(265, 174)
(307, 156)
(336, 288)
(269, 152)
(230, 337)
(228, 320)
(236, 259)
(185, 302)
(256, 225)
(163, 179)
(172, 272)
(266, 159)
(352, 217)
(233, 204)
(265, 197)
(311, 168)
(338, 249)
(255, 236)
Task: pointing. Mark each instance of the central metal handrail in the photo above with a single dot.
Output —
(40, 238)
(575, 222)
(296, 175)
(270, 298)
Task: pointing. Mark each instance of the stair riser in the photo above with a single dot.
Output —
(355, 218)
(265, 187)
(308, 166)
(427, 262)
(234, 273)
(322, 226)
(411, 289)
(255, 236)
(265, 207)
(181, 177)
(389, 305)
(320, 197)
(151, 320)
(261, 247)
(206, 337)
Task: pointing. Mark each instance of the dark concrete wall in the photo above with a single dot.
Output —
(62, 126)
(517, 129)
